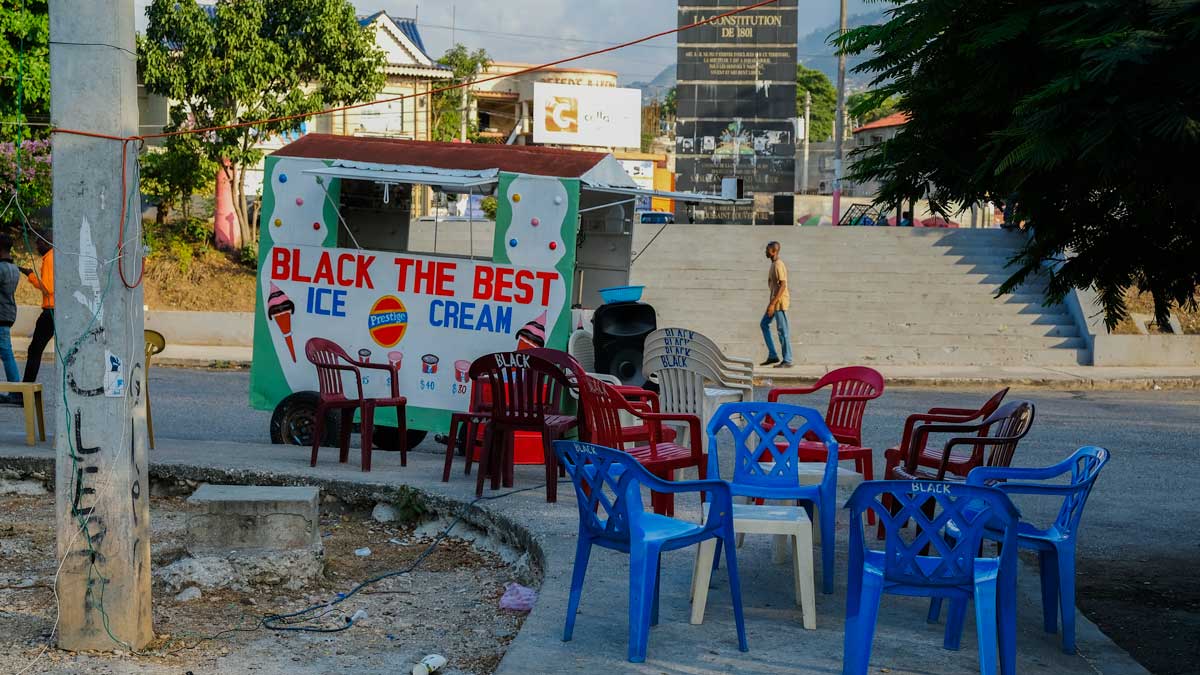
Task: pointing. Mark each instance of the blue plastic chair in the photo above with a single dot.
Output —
(756, 428)
(608, 489)
(956, 570)
(1056, 544)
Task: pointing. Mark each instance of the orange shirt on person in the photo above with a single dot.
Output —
(43, 280)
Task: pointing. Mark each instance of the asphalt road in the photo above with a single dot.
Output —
(1139, 561)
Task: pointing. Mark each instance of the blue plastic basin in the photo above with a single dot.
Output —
(621, 294)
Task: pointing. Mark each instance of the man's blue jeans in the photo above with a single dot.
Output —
(781, 324)
(6, 355)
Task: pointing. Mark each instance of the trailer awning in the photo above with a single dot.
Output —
(397, 174)
(685, 197)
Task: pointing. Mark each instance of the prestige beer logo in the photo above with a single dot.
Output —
(562, 114)
(387, 321)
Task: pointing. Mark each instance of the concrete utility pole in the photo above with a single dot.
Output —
(839, 124)
(807, 132)
(101, 484)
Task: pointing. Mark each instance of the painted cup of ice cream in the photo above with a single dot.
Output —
(429, 363)
(364, 355)
(533, 334)
(461, 368)
(395, 358)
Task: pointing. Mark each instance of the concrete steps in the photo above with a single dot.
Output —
(858, 295)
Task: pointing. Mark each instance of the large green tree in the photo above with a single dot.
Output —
(251, 60)
(448, 105)
(868, 106)
(24, 66)
(171, 176)
(1086, 115)
(823, 107)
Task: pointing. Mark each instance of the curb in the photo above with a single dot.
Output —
(1065, 382)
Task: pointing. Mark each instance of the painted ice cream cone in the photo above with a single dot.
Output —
(533, 334)
(280, 310)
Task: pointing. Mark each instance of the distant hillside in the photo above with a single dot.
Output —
(812, 50)
(659, 86)
(813, 47)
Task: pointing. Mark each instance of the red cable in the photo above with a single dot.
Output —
(125, 140)
(121, 231)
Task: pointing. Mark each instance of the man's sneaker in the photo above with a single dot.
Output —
(769, 362)
(785, 364)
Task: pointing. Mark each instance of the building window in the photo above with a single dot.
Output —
(382, 119)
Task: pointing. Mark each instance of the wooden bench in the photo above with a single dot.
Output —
(31, 395)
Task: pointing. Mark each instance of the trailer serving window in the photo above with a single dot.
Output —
(376, 204)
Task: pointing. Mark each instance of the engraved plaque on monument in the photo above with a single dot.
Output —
(736, 103)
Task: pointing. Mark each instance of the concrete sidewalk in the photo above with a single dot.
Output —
(1060, 377)
(904, 643)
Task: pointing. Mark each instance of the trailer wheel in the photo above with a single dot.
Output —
(388, 438)
(292, 421)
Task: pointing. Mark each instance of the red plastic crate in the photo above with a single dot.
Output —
(527, 447)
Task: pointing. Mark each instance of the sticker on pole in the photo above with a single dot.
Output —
(114, 375)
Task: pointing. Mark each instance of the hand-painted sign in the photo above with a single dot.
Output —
(429, 309)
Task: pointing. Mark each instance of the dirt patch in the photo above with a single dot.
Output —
(212, 282)
(1143, 303)
(448, 605)
(1155, 617)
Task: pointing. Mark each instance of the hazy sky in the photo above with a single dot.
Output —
(543, 30)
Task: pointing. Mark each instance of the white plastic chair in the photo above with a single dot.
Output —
(581, 347)
(683, 388)
(687, 338)
(735, 373)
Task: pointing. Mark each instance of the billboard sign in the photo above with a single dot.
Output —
(568, 114)
(737, 101)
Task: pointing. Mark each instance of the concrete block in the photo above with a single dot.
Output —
(241, 517)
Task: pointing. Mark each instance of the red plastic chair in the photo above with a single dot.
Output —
(601, 407)
(533, 390)
(331, 361)
(641, 399)
(850, 390)
(475, 422)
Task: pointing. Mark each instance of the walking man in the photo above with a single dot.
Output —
(10, 275)
(43, 330)
(777, 310)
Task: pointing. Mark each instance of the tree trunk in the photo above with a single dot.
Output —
(238, 184)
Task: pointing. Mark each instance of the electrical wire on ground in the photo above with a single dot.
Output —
(289, 620)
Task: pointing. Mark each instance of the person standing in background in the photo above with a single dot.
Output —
(777, 310)
(10, 276)
(43, 330)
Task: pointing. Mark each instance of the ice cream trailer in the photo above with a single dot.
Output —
(342, 258)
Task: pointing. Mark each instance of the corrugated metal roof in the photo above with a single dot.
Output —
(406, 26)
(515, 158)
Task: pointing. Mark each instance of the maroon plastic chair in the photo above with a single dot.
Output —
(527, 393)
(960, 462)
(850, 389)
(998, 433)
(474, 423)
(331, 361)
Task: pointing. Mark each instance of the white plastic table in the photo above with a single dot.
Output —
(786, 523)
